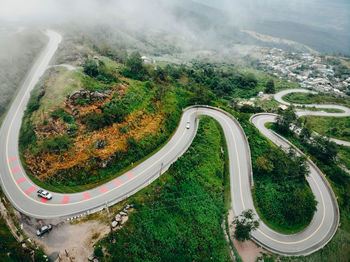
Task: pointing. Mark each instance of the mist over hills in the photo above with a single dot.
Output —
(322, 25)
(206, 24)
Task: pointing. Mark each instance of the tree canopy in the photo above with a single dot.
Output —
(244, 225)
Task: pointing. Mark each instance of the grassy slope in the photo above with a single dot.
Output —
(330, 126)
(303, 98)
(62, 82)
(178, 217)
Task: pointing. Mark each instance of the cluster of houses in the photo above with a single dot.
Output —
(309, 70)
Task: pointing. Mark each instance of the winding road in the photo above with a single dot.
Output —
(21, 191)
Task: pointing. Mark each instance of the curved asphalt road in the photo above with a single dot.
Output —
(301, 112)
(22, 192)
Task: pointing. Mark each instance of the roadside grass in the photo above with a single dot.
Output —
(305, 98)
(64, 83)
(335, 127)
(328, 110)
(182, 210)
(268, 105)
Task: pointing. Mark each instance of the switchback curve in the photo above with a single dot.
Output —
(20, 190)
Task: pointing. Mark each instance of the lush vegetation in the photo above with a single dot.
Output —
(118, 97)
(325, 155)
(133, 105)
(10, 249)
(279, 182)
(178, 218)
(138, 91)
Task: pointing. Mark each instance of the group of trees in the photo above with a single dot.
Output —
(113, 112)
(281, 188)
(286, 121)
(222, 82)
(134, 67)
(320, 146)
(100, 70)
(284, 200)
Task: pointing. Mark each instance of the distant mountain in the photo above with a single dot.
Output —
(325, 41)
(321, 24)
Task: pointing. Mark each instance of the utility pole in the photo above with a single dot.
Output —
(109, 222)
(160, 171)
(107, 209)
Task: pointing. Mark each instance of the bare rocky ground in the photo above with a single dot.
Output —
(66, 241)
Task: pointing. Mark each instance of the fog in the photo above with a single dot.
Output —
(324, 13)
(197, 19)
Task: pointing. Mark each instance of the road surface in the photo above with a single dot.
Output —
(21, 191)
(302, 112)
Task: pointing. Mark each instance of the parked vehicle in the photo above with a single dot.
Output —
(188, 125)
(44, 194)
(41, 231)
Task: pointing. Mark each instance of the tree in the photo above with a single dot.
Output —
(324, 149)
(270, 87)
(134, 67)
(107, 74)
(244, 225)
(305, 134)
(58, 144)
(90, 67)
(263, 164)
(285, 119)
(250, 80)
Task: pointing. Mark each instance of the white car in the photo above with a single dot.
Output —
(188, 125)
(44, 194)
(41, 231)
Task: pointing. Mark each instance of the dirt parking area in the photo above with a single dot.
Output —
(66, 241)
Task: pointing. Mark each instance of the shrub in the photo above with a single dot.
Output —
(60, 113)
(58, 144)
(90, 67)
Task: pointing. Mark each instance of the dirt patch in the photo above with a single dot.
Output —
(70, 242)
(248, 250)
